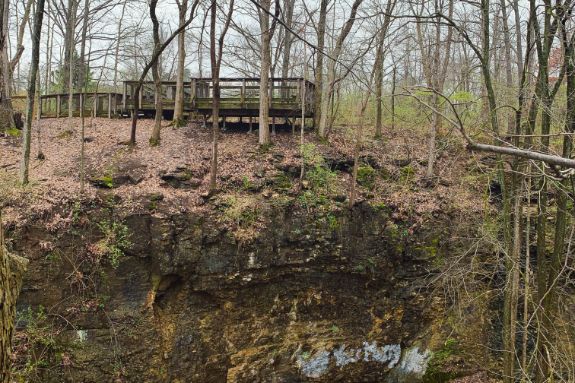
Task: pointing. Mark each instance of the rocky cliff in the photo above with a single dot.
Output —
(287, 296)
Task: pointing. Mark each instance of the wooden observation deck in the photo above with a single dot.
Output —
(239, 97)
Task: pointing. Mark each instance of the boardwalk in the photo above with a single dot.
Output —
(239, 98)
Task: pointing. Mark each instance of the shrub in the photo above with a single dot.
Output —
(116, 239)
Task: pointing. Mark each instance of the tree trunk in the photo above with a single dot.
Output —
(155, 138)
(117, 48)
(27, 136)
(6, 112)
(179, 101)
(319, 63)
(288, 10)
(11, 271)
(329, 89)
(215, 98)
(264, 131)
(379, 61)
(148, 66)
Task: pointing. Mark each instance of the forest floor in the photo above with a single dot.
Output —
(177, 171)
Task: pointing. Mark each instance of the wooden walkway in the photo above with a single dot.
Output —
(239, 97)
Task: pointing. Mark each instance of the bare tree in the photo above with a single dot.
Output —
(265, 56)
(6, 112)
(36, 35)
(328, 90)
(216, 62)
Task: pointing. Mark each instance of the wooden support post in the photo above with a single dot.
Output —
(251, 123)
(109, 105)
(193, 92)
(124, 98)
(224, 123)
(274, 126)
(96, 100)
(58, 106)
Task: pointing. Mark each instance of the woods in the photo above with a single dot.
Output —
(495, 79)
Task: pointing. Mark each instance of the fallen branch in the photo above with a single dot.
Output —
(549, 159)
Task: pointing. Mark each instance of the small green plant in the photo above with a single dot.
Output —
(65, 134)
(366, 176)
(436, 370)
(13, 132)
(116, 239)
(282, 182)
(246, 183)
(407, 174)
(332, 222)
(35, 345)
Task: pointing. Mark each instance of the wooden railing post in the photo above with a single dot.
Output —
(124, 98)
(39, 107)
(243, 93)
(194, 87)
(58, 103)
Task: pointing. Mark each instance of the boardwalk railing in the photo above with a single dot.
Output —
(239, 97)
(101, 104)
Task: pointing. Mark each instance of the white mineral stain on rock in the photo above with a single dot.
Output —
(315, 366)
(344, 357)
(415, 362)
(389, 354)
(82, 335)
(318, 364)
(251, 260)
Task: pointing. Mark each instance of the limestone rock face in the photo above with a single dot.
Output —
(304, 300)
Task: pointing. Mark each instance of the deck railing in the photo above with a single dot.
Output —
(238, 97)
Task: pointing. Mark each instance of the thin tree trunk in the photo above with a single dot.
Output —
(264, 131)
(6, 111)
(508, 63)
(215, 98)
(117, 48)
(27, 135)
(393, 84)
(179, 99)
(329, 89)
(319, 85)
(379, 61)
(216, 62)
(155, 138)
(148, 66)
